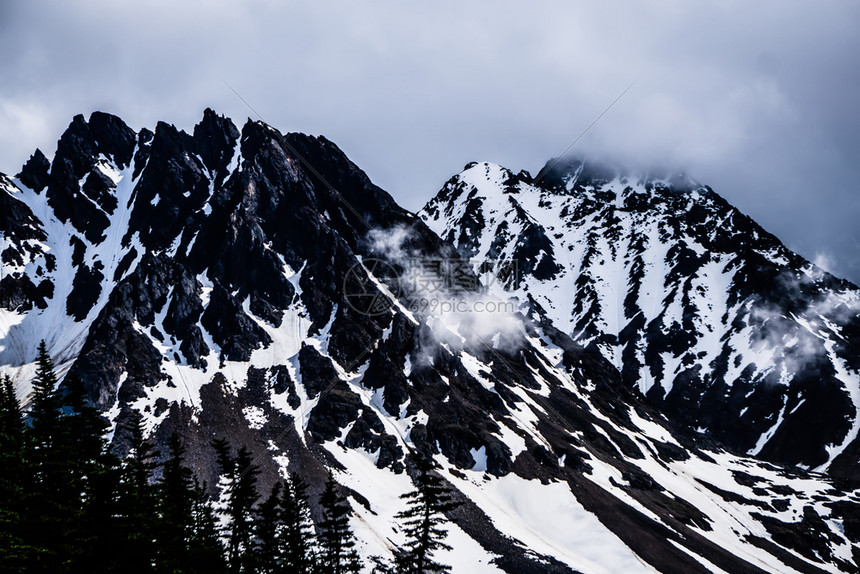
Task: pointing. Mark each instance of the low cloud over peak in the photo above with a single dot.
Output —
(757, 101)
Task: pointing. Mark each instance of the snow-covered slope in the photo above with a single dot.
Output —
(706, 314)
(218, 297)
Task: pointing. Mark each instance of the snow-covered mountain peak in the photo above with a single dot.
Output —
(702, 310)
(211, 282)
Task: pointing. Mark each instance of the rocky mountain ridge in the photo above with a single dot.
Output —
(207, 280)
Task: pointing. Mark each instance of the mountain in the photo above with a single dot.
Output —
(710, 317)
(257, 286)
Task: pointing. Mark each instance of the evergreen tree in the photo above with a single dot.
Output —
(175, 509)
(70, 477)
(92, 478)
(67, 505)
(101, 533)
(296, 540)
(205, 551)
(187, 536)
(137, 497)
(423, 519)
(336, 539)
(51, 509)
(11, 420)
(44, 418)
(13, 549)
(239, 478)
(84, 428)
(268, 530)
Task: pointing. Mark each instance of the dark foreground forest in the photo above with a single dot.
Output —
(67, 504)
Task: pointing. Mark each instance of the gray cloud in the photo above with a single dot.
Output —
(760, 102)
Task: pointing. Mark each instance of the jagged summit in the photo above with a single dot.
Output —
(209, 281)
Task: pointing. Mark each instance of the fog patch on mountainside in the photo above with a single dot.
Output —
(455, 303)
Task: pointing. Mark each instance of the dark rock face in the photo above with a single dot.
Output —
(171, 192)
(35, 172)
(214, 138)
(112, 138)
(85, 290)
(207, 276)
(75, 158)
(23, 232)
(234, 332)
(709, 316)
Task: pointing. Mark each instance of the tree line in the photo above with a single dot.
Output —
(68, 504)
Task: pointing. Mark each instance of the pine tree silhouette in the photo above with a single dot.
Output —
(336, 539)
(45, 411)
(205, 551)
(136, 499)
(71, 479)
(92, 475)
(297, 537)
(13, 549)
(423, 519)
(268, 529)
(11, 419)
(239, 477)
(188, 540)
(175, 508)
(51, 510)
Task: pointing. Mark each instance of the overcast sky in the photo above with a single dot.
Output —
(760, 102)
